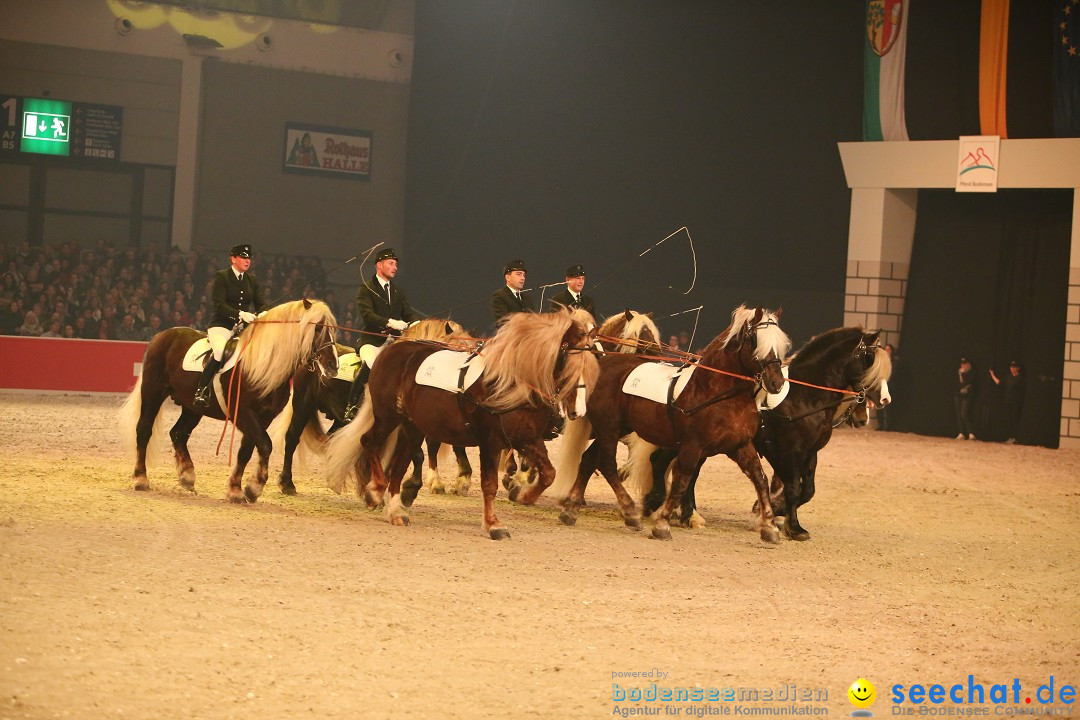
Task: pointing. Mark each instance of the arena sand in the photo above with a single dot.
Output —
(931, 560)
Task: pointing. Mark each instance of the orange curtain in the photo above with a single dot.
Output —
(993, 57)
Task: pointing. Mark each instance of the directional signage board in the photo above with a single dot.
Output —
(96, 131)
(46, 127)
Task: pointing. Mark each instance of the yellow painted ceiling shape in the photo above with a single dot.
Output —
(143, 15)
(229, 30)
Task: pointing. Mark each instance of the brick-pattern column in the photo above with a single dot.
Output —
(874, 297)
(1070, 386)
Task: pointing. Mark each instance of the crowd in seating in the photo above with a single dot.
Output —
(106, 293)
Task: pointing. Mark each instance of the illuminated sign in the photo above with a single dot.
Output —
(46, 127)
(59, 127)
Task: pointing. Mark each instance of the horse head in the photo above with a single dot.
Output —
(576, 369)
(760, 344)
(870, 369)
(324, 351)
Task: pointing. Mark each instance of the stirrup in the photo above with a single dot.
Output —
(350, 412)
(202, 397)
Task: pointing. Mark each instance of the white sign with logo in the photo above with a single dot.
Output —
(977, 165)
(327, 151)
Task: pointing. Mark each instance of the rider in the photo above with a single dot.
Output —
(510, 298)
(572, 297)
(235, 291)
(385, 310)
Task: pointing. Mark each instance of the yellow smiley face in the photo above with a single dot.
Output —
(862, 693)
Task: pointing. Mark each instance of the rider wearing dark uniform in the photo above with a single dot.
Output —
(571, 296)
(235, 294)
(510, 298)
(385, 310)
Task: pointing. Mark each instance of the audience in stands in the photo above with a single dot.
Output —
(101, 292)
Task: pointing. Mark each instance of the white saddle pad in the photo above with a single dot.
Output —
(767, 400)
(442, 370)
(652, 380)
(193, 359)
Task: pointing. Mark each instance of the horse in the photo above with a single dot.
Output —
(535, 364)
(831, 379)
(629, 332)
(269, 351)
(716, 413)
(311, 395)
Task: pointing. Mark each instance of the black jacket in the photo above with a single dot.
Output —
(503, 303)
(375, 309)
(564, 298)
(230, 296)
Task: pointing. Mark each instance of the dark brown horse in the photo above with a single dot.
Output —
(854, 368)
(534, 364)
(312, 395)
(716, 413)
(270, 350)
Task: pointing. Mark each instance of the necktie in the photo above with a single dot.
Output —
(517, 296)
(388, 300)
(241, 277)
(577, 299)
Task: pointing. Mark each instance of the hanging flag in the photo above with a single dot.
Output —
(1067, 68)
(993, 65)
(883, 70)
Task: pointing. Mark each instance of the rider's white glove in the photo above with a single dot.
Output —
(396, 324)
(247, 317)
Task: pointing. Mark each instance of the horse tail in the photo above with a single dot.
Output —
(575, 437)
(638, 468)
(344, 451)
(280, 425)
(127, 421)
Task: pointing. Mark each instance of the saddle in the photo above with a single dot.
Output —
(450, 370)
(658, 381)
(199, 354)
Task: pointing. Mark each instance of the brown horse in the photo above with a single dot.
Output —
(534, 364)
(629, 332)
(270, 350)
(715, 414)
(312, 394)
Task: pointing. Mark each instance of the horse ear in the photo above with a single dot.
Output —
(779, 311)
(871, 337)
(628, 315)
(649, 314)
(307, 304)
(758, 314)
(449, 328)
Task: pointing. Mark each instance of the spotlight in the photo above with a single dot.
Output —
(123, 26)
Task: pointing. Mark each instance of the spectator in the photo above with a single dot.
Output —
(10, 318)
(30, 327)
(53, 331)
(1013, 385)
(153, 327)
(128, 330)
(964, 399)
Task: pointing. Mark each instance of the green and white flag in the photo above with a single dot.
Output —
(883, 70)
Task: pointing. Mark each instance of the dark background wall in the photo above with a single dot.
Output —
(562, 132)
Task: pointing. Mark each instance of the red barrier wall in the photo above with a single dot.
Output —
(59, 364)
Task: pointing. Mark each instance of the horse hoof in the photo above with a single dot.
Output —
(567, 518)
(400, 520)
(236, 498)
(142, 484)
(515, 491)
(250, 495)
(439, 489)
(661, 533)
(371, 500)
(288, 489)
(463, 490)
(634, 523)
(499, 534)
(795, 533)
(408, 495)
(770, 534)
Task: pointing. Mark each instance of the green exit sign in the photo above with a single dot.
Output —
(46, 127)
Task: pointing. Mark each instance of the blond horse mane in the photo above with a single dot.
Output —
(879, 371)
(439, 330)
(771, 339)
(274, 345)
(618, 326)
(519, 362)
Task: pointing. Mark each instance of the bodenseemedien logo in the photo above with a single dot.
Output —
(862, 695)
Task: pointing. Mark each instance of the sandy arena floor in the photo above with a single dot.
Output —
(931, 560)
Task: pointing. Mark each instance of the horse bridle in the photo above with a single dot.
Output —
(861, 352)
(316, 356)
(763, 365)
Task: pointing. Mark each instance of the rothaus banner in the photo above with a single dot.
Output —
(977, 165)
(327, 151)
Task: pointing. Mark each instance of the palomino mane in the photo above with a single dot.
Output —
(522, 356)
(770, 339)
(275, 344)
(633, 329)
(819, 349)
(438, 330)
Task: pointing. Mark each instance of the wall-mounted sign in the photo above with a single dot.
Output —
(977, 166)
(43, 126)
(327, 151)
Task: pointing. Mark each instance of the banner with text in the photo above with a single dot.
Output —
(327, 151)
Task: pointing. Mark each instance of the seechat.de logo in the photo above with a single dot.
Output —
(862, 695)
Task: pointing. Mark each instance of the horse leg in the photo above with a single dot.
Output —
(660, 459)
(150, 404)
(431, 476)
(408, 444)
(685, 463)
(243, 454)
(510, 471)
(746, 458)
(297, 424)
(792, 527)
(575, 499)
(179, 434)
(254, 488)
(489, 485)
(411, 487)
(372, 442)
(464, 471)
(610, 470)
(690, 517)
(528, 493)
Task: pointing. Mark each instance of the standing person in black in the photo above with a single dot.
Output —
(385, 311)
(511, 297)
(1013, 383)
(964, 399)
(235, 291)
(572, 297)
